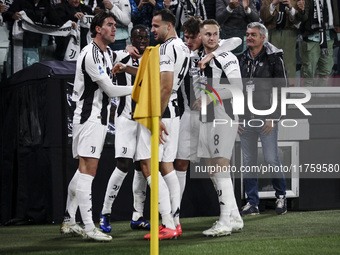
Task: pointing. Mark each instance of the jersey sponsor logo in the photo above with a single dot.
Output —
(101, 70)
(193, 71)
(233, 62)
(93, 149)
(124, 150)
(164, 62)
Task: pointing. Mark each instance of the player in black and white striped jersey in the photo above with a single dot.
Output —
(174, 63)
(126, 139)
(93, 90)
(189, 123)
(217, 141)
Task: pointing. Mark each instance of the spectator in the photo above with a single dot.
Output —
(280, 19)
(262, 69)
(316, 46)
(182, 9)
(36, 10)
(69, 10)
(122, 10)
(142, 13)
(210, 8)
(233, 16)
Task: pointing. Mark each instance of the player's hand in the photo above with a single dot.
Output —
(133, 51)
(118, 68)
(162, 129)
(198, 103)
(240, 130)
(202, 63)
(268, 127)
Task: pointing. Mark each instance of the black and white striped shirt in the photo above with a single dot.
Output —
(174, 57)
(93, 65)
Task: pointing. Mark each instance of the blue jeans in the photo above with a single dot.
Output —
(249, 139)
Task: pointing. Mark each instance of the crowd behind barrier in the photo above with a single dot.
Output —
(40, 30)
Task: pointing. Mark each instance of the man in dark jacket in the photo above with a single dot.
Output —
(69, 10)
(264, 74)
(36, 10)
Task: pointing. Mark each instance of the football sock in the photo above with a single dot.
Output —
(168, 221)
(182, 177)
(84, 198)
(139, 194)
(175, 194)
(225, 192)
(164, 204)
(71, 202)
(115, 182)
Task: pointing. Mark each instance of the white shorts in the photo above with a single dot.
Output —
(125, 137)
(189, 128)
(167, 151)
(218, 141)
(88, 139)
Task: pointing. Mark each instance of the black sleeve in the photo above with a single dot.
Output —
(280, 81)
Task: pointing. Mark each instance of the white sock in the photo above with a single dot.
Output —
(84, 199)
(113, 186)
(139, 194)
(71, 202)
(226, 197)
(182, 178)
(175, 194)
(164, 205)
(168, 221)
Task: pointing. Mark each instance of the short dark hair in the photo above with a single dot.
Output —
(192, 25)
(166, 15)
(98, 20)
(209, 22)
(138, 26)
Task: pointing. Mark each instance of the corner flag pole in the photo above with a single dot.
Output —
(154, 244)
(146, 93)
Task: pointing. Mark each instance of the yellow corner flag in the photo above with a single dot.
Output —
(146, 93)
(146, 90)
